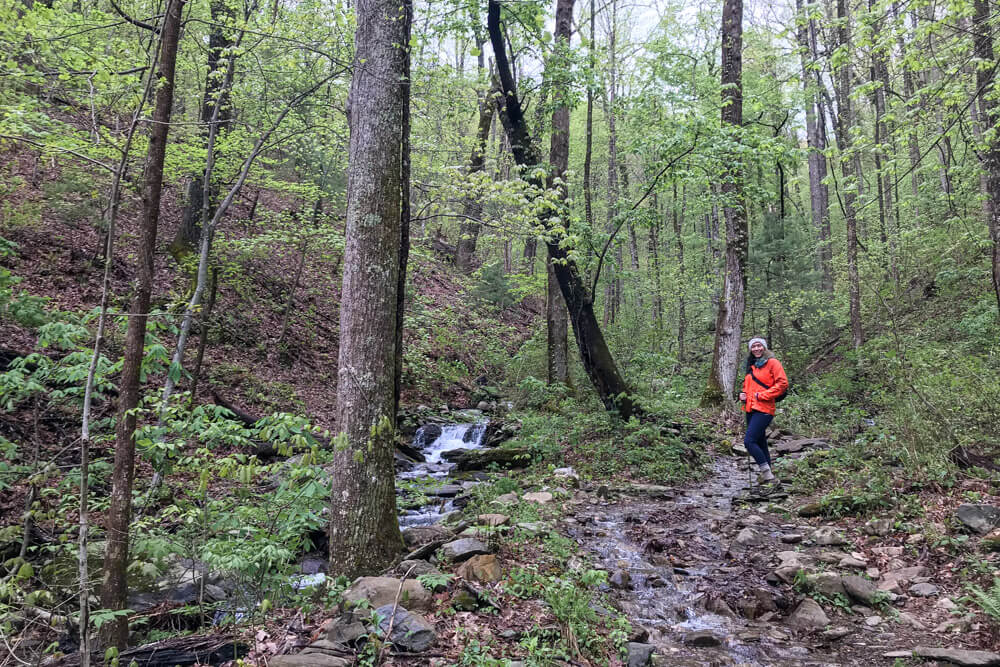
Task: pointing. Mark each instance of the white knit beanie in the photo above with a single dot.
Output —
(757, 340)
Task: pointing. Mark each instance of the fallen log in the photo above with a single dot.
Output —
(210, 650)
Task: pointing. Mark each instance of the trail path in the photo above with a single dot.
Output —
(709, 579)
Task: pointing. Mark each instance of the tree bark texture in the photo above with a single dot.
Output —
(729, 322)
(594, 352)
(215, 95)
(364, 532)
(990, 153)
(404, 214)
(845, 121)
(677, 217)
(472, 210)
(613, 290)
(556, 315)
(589, 150)
(819, 194)
(114, 587)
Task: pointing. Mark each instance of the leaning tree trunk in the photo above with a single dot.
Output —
(364, 531)
(990, 115)
(729, 322)
(594, 352)
(114, 588)
(556, 316)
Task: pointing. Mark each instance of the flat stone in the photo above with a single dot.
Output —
(828, 536)
(906, 618)
(493, 519)
(808, 616)
(894, 580)
(961, 657)
(851, 561)
(506, 499)
(924, 590)
(445, 491)
(702, 639)
(380, 591)
(463, 549)
(833, 634)
(827, 583)
(540, 497)
(890, 552)
(638, 654)
(309, 660)
(859, 589)
(792, 538)
(410, 632)
(873, 621)
(534, 527)
(978, 517)
(344, 630)
(787, 573)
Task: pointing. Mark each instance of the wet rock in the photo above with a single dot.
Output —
(792, 538)
(766, 600)
(746, 538)
(445, 491)
(415, 536)
(828, 536)
(702, 639)
(859, 589)
(717, 605)
(540, 497)
(484, 568)
(810, 510)
(924, 590)
(480, 459)
(638, 654)
(960, 657)
(410, 632)
(833, 634)
(621, 579)
(878, 527)
(380, 591)
(493, 519)
(463, 549)
(310, 660)
(808, 616)
(650, 491)
(978, 517)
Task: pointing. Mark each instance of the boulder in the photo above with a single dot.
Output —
(979, 517)
(638, 654)
(894, 581)
(540, 497)
(380, 591)
(411, 632)
(480, 459)
(827, 583)
(859, 589)
(484, 568)
(445, 491)
(506, 499)
(747, 537)
(463, 549)
(344, 629)
(808, 616)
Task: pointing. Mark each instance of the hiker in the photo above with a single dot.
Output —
(764, 382)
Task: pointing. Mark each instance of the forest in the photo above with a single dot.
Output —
(463, 332)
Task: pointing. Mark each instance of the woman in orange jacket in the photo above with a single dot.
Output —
(765, 380)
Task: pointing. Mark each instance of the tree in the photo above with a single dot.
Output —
(729, 321)
(595, 355)
(364, 532)
(989, 155)
(114, 589)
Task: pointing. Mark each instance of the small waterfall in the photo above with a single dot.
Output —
(453, 436)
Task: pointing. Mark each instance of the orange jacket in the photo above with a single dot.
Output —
(759, 398)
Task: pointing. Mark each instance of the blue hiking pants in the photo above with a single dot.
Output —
(755, 439)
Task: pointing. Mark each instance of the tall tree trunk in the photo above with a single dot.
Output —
(913, 143)
(405, 212)
(653, 260)
(114, 588)
(556, 315)
(594, 352)
(215, 97)
(613, 305)
(472, 210)
(989, 154)
(729, 322)
(364, 531)
(679, 209)
(819, 195)
(588, 151)
(845, 122)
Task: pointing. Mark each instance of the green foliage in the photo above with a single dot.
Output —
(987, 599)
(493, 287)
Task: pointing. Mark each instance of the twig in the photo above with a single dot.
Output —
(392, 616)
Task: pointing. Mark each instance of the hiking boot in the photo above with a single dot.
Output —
(766, 476)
